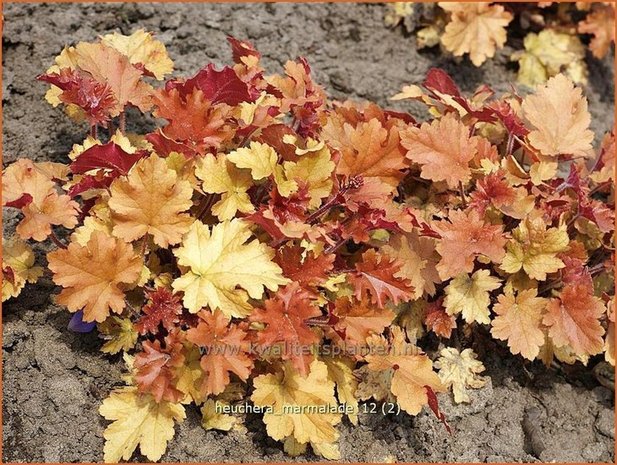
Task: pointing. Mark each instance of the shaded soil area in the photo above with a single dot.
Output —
(54, 380)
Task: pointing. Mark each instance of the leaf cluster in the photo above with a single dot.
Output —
(554, 35)
(268, 244)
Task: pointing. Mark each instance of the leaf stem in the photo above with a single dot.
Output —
(205, 206)
(122, 122)
(599, 187)
(333, 248)
(56, 240)
(144, 245)
(510, 144)
(462, 191)
(94, 131)
(321, 210)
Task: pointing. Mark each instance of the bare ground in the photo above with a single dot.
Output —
(54, 380)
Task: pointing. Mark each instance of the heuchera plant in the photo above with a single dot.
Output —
(553, 31)
(269, 245)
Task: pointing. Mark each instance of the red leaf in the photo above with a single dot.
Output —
(89, 182)
(437, 320)
(109, 156)
(440, 81)
(94, 98)
(163, 145)
(375, 276)
(8, 274)
(242, 48)
(21, 202)
(217, 86)
(273, 136)
(433, 403)
(155, 367)
(504, 112)
(163, 308)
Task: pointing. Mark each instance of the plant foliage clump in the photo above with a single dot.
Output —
(265, 244)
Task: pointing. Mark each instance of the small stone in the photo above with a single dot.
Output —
(605, 423)
(593, 452)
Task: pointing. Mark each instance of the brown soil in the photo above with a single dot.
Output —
(54, 380)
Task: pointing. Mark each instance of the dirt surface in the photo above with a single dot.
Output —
(54, 380)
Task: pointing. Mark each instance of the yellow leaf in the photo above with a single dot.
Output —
(428, 36)
(469, 295)
(141, 48)
(315, 169)
(459, 370)
(120, 333)
(221, 177)
(518, 321)
(98, 219)
(340, 370)
(410, 371)
(419, 260)
(150, 200)
(534, 249)
(223, 271)
(475, 28)
(373, 384)
(559, 113)
(138, 421)
(262, 160)
(397, 12)
(189, 375)
(19, 257)
(214, 419)
(548, 53)
(300, 407)
(542, 171)
(293, 447)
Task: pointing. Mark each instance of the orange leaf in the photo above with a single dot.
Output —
(107, 65)
(411, 372)
(438, 320)
(309, 272)
(573, 320)
(475, 28)
(358, 320)
(376, 276)
(44, 207)
(193, 119)
(150, 200)
(371, 151)
(559, 113)
(443, 149)
(464, 237)
(226, 350)
(93, 275)
(155, 368)
(285, 318)
(600, 23)
(39, 216)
